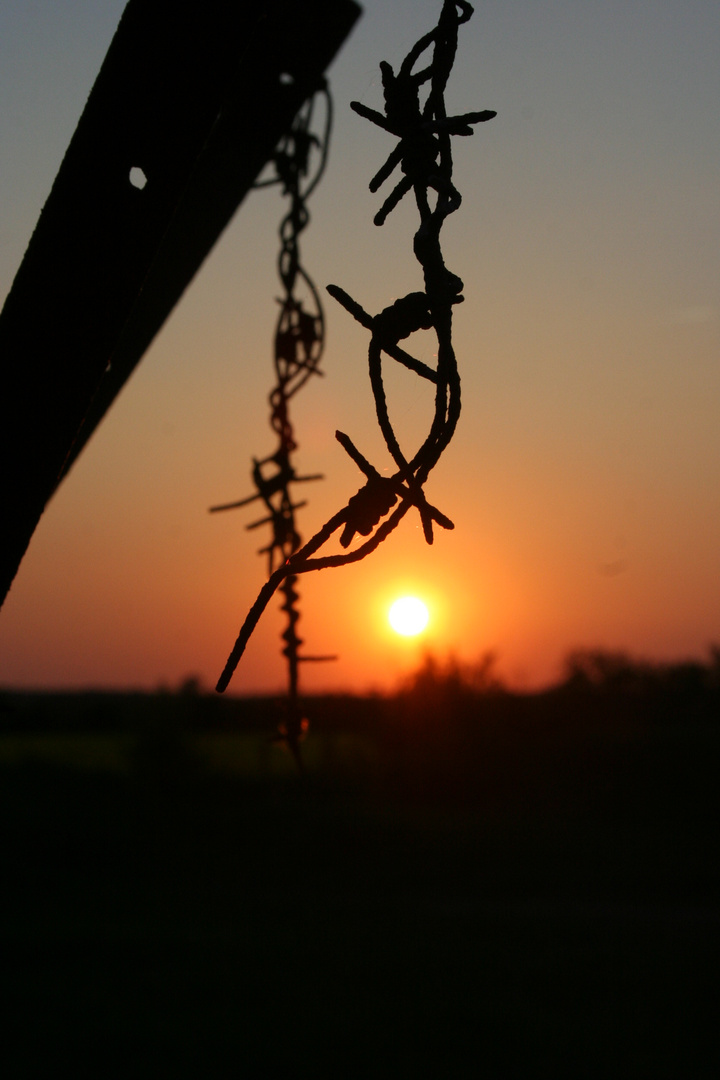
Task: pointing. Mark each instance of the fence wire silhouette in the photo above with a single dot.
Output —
(299, 162)
(424, 157)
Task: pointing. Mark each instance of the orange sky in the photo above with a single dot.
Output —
(584, 480)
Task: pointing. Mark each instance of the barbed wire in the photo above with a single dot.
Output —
(298, 348)
(424, 156)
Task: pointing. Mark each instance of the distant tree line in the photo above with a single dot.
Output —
(596, 685)
(602, 681)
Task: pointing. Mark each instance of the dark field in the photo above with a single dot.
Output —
(462, 884)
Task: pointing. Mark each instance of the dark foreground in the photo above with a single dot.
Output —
(499, 888)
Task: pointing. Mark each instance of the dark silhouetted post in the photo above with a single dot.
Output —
(189, 105)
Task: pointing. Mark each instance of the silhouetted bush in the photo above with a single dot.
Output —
(618, 684)
(449, 685)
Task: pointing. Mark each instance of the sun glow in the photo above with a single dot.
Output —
(408, 616)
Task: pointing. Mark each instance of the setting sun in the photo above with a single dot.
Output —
(408, 616)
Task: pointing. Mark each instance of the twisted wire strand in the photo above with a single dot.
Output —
(424, 155)
(298, 348)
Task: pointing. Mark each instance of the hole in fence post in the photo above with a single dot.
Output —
(138, 179)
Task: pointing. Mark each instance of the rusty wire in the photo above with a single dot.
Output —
(425, 159)
(298, 348)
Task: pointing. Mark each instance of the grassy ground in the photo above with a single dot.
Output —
(517, 902)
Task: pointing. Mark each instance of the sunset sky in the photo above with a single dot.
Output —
(584, 480)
